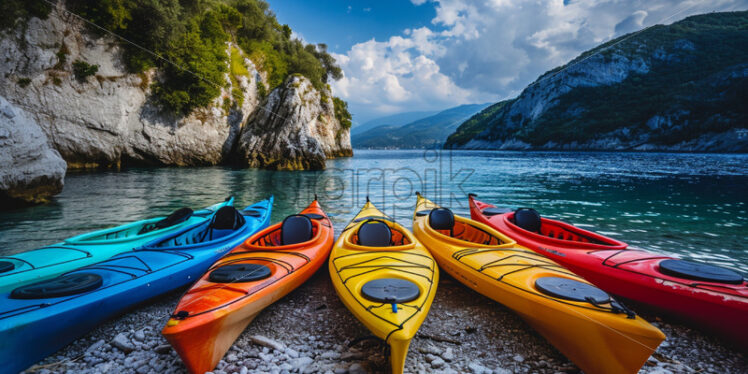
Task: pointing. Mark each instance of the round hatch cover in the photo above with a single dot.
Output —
(570, 289)
(64, 285)
(698, 271)
(239, 273)
(390, 290)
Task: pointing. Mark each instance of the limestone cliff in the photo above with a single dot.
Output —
(108, 119)
(295, 128)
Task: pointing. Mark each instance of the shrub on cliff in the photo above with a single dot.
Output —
(14, 10)
(83, 70)
(341, 112)
(192, 33)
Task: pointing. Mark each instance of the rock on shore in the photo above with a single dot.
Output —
(30, 170)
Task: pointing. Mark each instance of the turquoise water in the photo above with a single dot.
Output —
(690, 205)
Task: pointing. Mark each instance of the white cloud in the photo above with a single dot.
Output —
(477, 51)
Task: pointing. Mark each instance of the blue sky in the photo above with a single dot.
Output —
(341, 24)
(418, 55)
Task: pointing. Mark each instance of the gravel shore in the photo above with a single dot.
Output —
(311, 331)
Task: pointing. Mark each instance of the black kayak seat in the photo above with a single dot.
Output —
(442, 219)
(178, 216)
(699, 271)
(390, 290)
(64, 285)
(238, 273)
(528, 219)
(296, 228)
(570, 289)
(6, 266)
(493, 211)
(227, 218)
(374, 234)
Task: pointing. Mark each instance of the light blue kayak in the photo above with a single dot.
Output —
(39, 319)
(50, 261)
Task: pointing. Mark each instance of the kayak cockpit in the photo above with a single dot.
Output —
(444, 222)
(295, 230)
(380, 233)
(532, 224)
(225, 222)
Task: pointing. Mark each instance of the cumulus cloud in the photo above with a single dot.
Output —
(478, 51)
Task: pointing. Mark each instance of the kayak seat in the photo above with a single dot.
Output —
(178, 216)
(296, 228)
(528, 219)
(64, 285)
(390, 290)
(699, 271)
(238, 273)
(442, 219)
(226, 221)
(374, 233)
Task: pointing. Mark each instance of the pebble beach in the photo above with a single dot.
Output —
(311, 331)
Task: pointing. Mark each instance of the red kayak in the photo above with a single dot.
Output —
(711, 297)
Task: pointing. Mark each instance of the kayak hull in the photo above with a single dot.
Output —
(30, 330)
(352, 266)
(634, 274)
(598, 339)
(219, 312)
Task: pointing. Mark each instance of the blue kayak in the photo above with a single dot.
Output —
(50, 261)
(37, 320)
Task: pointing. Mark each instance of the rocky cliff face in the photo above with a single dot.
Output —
(30, 170)
(295, 128)
(677, 88)
(107, 120)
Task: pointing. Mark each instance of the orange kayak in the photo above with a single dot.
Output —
(266, 267)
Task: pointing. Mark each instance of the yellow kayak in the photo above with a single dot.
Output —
(584, 323)
(385, 277)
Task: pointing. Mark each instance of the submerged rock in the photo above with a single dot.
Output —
(30, 170)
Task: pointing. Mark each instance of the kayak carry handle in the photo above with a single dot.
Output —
(418, 194)
(315, 196)
(472, 195)
(367, 198)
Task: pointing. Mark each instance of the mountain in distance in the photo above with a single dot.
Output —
(427, 131)
(398, 119)
(680, 87)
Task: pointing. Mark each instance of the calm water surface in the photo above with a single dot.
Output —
(689, 205)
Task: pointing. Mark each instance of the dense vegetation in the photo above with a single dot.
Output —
(192, 34)
(12, 11)
(696, 74)
(473, 126)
